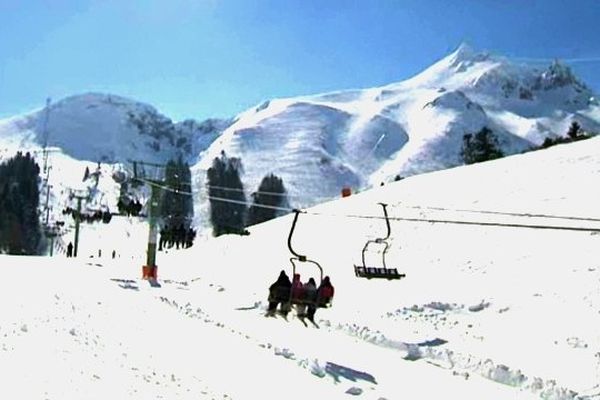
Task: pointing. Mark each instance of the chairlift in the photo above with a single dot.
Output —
(364, 271)
(299, 258)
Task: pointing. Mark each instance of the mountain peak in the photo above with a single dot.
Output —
(464, 51)
(465, 56)
(559, 74)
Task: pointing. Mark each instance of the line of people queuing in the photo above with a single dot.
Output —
(178, 237)
(306, 297)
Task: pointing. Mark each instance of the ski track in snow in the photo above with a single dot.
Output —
(437, 352)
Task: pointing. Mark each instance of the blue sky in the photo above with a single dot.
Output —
(215, 58)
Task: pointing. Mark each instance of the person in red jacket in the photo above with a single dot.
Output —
(325, 292)
(297, 288)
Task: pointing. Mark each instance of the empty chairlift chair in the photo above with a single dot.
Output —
(364, 271)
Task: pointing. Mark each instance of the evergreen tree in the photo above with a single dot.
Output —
(20, 231)
(574, 130)
(271, 193)
(177, 207)
(482, 146)
(226, 194)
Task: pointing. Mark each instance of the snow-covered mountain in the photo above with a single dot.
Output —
(321, 143)
(110, 129)
(360, 138)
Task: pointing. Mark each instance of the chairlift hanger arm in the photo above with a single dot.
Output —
(380, 240)
(387, 222)
(300, 257)
(309, 261)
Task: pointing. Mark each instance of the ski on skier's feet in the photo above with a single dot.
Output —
(312, 321)
(275, 314)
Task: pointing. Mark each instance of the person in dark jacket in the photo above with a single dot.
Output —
(310, 298)
(70, 250)
(279, 292)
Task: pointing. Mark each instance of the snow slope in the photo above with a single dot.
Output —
(501, 308)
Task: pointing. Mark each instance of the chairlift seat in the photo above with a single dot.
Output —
(362, 271)
(373, 272)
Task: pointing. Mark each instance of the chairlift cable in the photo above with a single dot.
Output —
(430, 220)
(255, 192)
(216, 198)
(516, 214)
(230, 189)
(222, 199)
(392, 218)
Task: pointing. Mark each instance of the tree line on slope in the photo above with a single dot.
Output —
(574, 134)
(229, 212)
(20, 231)
(484, 146)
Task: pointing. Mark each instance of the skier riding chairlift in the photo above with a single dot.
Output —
(299, 300)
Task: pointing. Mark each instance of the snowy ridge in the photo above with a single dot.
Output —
(109, 128)
(319, 144)
(360, 138)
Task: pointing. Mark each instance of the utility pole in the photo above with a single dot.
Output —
(77, 216)
(48, 186)
(52, 235)
(155, 178)
(52, 232)
(153, 229)
(47, 168)
(45, 134)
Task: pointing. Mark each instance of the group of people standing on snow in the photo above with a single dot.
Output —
(307, 297)
(176, 236)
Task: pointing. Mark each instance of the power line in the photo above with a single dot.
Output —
(408, 219)
(254, 192)
(523, 214)
(216, 198)
(222, 199)
(230, 189)
(458, 222)
(500, 224)
(164, 187)
(517, 214)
